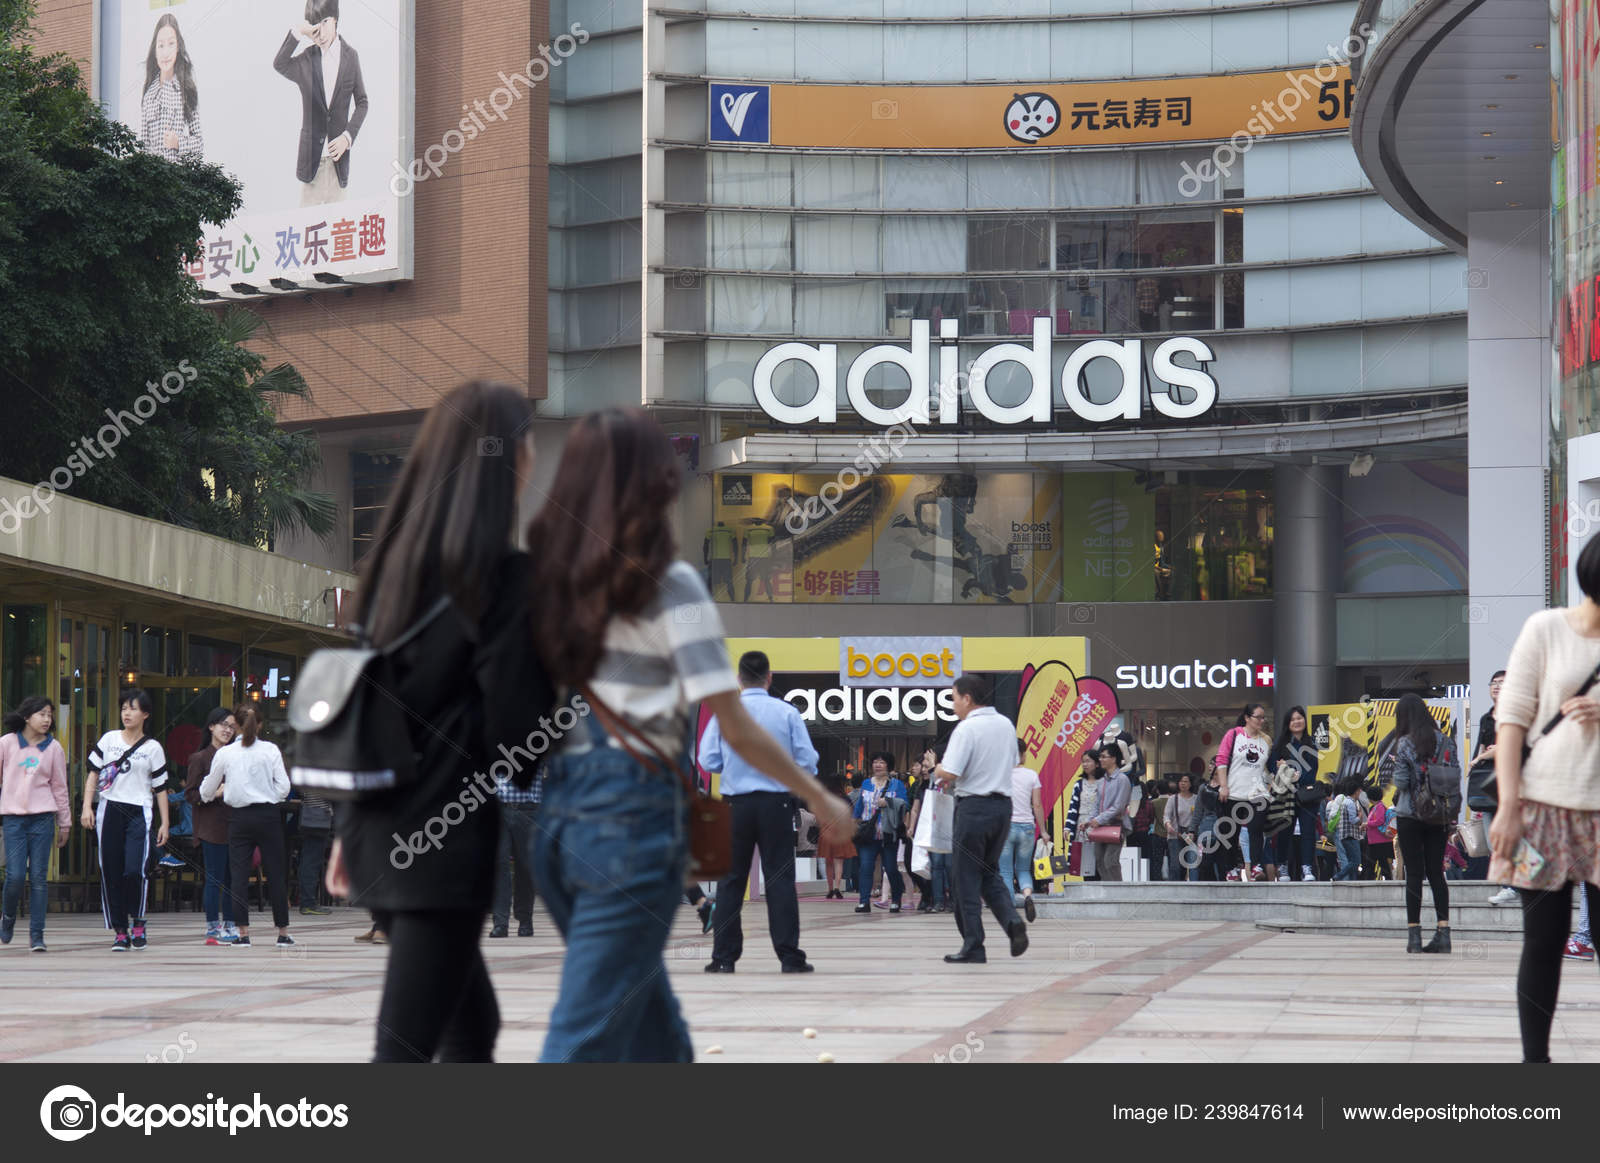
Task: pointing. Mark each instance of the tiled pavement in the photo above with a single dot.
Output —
(1101, 990)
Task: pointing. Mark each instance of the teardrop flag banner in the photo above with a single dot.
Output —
(1059, 718)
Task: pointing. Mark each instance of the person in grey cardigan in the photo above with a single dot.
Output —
(1114, 794)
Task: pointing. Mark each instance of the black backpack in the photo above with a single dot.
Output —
(353, 735)
(1436, 794)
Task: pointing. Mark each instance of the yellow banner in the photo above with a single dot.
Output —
(1253, 105)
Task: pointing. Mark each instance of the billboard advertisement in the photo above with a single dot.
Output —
(1358, 739)
(937, 538)
(1247, 106)
(309, 105)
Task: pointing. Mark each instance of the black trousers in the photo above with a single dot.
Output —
(763, 819)
(1546, 924)
(258, 826)
(437, 998)
(978, 840)
(1422, 847)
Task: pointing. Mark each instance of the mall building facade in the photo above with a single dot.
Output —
(998, 320)
(1479, 120)
(875, 234)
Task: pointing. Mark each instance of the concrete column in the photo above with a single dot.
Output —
(1307, 568)
(1508, 394)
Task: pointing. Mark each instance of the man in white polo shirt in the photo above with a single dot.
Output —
(978, 763)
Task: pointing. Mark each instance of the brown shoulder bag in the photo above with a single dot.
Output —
(710, 820)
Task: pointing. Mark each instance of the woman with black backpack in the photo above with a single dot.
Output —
(1422, 832)
(473, 692)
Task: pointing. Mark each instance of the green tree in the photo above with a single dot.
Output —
(95, 308)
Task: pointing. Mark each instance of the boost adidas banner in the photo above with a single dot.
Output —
(1246, 105)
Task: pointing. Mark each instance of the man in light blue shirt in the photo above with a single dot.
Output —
(763, 817)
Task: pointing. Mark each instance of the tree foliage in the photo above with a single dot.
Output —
(95, 307)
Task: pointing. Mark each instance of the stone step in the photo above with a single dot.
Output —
(1332, 907)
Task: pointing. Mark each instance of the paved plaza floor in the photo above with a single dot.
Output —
(1115, 990)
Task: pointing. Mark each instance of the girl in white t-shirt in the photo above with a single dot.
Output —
(1242, 765)
(127, 768)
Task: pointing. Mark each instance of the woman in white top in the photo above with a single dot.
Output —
(621, 620)
(1245, 784)
(126, 768)
(1553, 802)
(249, 775)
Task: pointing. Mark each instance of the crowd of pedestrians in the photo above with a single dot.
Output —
(597, 619)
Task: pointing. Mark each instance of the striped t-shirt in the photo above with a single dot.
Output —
(656, 666)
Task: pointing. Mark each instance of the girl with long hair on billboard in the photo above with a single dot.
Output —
(170, 121)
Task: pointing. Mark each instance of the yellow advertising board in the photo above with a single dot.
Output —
(1062, 712)
(1356, 738)
(1211, 108)
(890, 537)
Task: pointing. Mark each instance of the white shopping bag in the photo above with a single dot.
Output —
(1130, 863)
(940, 809)
(920, 864)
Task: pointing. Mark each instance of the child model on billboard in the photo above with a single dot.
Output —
(170, 123)
(333, 101)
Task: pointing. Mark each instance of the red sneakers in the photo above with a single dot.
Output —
(1579, 950)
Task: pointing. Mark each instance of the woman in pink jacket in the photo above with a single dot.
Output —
(36, 807)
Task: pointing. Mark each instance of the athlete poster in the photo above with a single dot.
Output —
(937, 538)
(1359, 738)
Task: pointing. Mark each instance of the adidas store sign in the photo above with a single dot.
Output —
(1183, 393)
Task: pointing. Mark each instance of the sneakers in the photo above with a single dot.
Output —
(139, 941)
(1506, 896)
(704, 911)
(315, 911)
(895, 908)
(120, 945)
(213, 934)
(37, 946)
(1234, 875)
(242, 943)
(1257, 874)
(1306, 873)
(863, 908)
(171, 861)
(1283, 875)
(880, 904)
(1578, 950)
(8, 926)
(285, 942)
